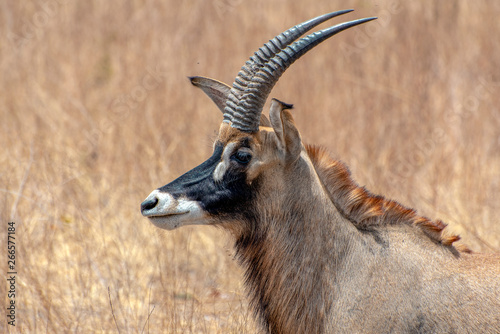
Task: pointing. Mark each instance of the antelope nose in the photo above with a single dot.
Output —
(148, 204)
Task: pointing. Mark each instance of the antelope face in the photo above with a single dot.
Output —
(218, 187)
(251, 153)
(224, 187)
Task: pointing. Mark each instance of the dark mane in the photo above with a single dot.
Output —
(366, 210)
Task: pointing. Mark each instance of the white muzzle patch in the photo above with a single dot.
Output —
(170, 213)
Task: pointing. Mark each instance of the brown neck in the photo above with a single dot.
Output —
(319, 236)
(291, 256)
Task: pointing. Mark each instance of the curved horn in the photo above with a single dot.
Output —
(246, 114)
(262, 56)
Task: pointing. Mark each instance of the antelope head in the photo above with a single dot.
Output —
(256, 161)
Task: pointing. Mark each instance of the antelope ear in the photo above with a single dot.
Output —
(216, 90)
(284, 127)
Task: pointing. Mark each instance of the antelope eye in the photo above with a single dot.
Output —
(242, 157)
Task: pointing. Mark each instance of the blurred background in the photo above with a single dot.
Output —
(96, 112)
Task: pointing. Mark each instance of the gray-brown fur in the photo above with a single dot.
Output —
(321, 254)
(329, 273)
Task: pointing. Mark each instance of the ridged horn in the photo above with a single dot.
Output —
(266, 52)
(256, 80)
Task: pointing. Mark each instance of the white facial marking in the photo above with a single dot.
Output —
(221, 168)
(170, 213)
(166, 203)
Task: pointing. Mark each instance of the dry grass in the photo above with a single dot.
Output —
(410, 103)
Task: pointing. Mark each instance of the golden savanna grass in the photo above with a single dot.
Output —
(96, 112)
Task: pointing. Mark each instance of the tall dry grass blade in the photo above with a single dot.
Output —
(112, 311)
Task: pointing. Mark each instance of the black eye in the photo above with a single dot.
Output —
(242, 157)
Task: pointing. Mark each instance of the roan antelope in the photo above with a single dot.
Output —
(322, 255)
